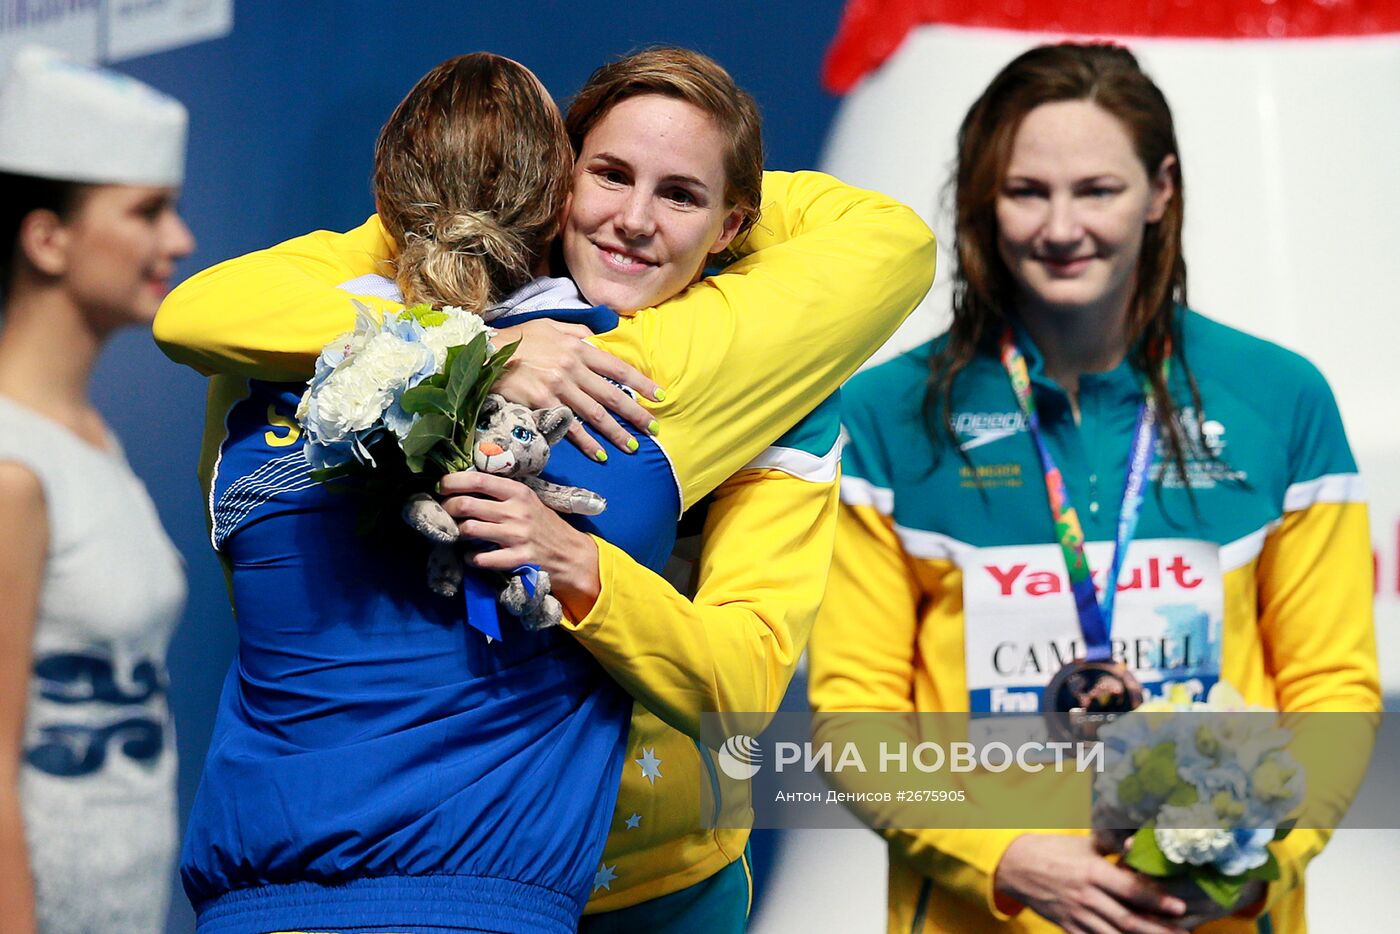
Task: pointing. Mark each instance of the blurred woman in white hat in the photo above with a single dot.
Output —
(90, 164)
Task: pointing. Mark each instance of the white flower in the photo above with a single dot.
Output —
(1224, 696)
(1262, 739)
(460, 328)
(354, 396)
(1185, 835)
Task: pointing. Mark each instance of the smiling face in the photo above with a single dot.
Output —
(648, 203)
(1072, 209)
(122, 245)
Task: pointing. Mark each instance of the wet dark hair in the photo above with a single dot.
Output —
(983, 289)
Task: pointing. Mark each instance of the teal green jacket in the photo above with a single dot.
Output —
(947, 591)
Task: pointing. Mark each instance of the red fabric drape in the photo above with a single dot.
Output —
(872, 30)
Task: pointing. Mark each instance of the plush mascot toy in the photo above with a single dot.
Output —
(511, 441)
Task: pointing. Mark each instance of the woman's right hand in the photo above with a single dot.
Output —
(554, 366)
(1064, 879)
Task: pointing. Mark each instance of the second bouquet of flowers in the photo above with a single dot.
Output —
(1203, 789)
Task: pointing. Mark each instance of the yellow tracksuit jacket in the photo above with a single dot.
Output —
(825, 277)
(1281, 505)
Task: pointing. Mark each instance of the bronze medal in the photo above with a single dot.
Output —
(1085, 694)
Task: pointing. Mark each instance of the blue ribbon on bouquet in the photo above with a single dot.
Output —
(483, 606)
(482, 600)
(529, 575)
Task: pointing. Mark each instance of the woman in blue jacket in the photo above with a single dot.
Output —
(376, 763)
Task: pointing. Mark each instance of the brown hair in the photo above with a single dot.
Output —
(696, 79)
(983, 289)
(470, 174)
(20, 195)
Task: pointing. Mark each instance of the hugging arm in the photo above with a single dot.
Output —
(266, 315)
(733, 648)
(826, 276)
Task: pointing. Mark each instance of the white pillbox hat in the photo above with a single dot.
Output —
(72, 122)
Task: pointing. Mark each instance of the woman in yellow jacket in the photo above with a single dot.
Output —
(1070, 339)
(824, 260)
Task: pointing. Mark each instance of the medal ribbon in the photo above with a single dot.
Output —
(1095, 619)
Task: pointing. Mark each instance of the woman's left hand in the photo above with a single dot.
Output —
(508, 514)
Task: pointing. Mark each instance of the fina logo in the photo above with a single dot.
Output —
(740, 757)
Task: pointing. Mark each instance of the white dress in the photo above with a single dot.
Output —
(97, 784)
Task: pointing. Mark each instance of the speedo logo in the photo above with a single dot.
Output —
(979, 428)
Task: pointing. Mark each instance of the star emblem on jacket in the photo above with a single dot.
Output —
(605, 876)
(651, 766)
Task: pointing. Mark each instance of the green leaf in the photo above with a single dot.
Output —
(328, 474)
(1147, 857)
(424, 398)
(1224, 890)
(1268, 872)
(496, 363)
(471, 414)
(1158, 770)
(502, 356)
(415, 462)
(429, 430)
(1130, 790)
(1183, 795)
(440, 378)
(465, 369)
(426, 315)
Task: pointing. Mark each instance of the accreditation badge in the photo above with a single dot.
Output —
(1024, 652)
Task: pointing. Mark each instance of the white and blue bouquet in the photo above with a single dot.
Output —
(1204, 788)
(409, 384)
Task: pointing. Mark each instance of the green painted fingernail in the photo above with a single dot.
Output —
(632, 445)
(600, 456)
(659, 395)
(654, 428)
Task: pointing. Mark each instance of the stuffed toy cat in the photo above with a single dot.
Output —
(511, 441)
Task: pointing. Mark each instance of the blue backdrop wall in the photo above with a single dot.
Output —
(284, 112)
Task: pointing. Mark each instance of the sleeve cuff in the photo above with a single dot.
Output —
(582, 626)
(1003, 907)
